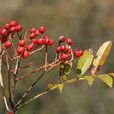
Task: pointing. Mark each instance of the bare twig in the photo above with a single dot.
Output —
(1, 81)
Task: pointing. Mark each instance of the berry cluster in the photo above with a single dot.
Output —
(8, 31)
(37, 37)
(65, 50)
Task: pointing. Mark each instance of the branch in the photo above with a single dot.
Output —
(48, 90)
(1, 81)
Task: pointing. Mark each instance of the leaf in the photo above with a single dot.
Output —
(107, 79)
(60, 87)
(50, 85)
(101, 56)
(65, 70)
(90, 80)
(84, 62)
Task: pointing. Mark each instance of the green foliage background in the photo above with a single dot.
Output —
(89, 23)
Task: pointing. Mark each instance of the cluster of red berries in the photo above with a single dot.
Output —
(8, 30)
(24, 49)
(64, 50)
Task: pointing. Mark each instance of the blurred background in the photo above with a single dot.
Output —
(89, 23)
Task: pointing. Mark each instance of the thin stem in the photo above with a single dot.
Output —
(46, 55)
(35, 70)
(29, 89)
(48, 90)
(1, 81)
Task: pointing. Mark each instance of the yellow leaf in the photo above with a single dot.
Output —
(101, 56)
(60, 87)
(84, 62)
(90, 79)
(106, 79)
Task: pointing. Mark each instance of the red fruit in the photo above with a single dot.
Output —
(68, 51)
(26, 54)
(11, 112)
(58, 49)
(46, 40)
(34, 41)
(12, 29)
(3, 32)
(50, 42)
(20, 50)
(13, 23)
(21, 43)
(7, 26)
(69, 41)
(42, 29)
(30, 47)
(3, 39)
(37, 33)
(40, 41)
(7, 44)
(62, 48)
(63, 56)
(62, 38)
(32, 35)
(78, 53)
(19, 28)
(32, 30)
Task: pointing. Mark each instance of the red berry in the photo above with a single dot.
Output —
(30, 47)
(69, 41)
(46, 40)
(40, 41)
(68, 51)
(34, 41)
(13, 23)
(19, 28)
(50, 42)
(4, 32)
(11, 112)
(7, 26)
(63, 56)
(62, 38)
(20, 50)
(32, 30)
(12, 29)
(32, 35)
(78, 53)
(26, 54)
(58, 49)
(21, 42)
(42, 29)
(3, 39)
(37, 33)
(7, 44)
(62, 48)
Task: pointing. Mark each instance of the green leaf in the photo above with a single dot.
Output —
(90, 79)
(60, 87)
(101, 56)
(107, 79)
(65, 70)
(84, 62)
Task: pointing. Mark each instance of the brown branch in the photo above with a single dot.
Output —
(35, 70)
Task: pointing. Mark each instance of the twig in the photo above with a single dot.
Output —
(46, 54)
(29, 89)
(35, 70)
(1, 82)
(48, 90)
